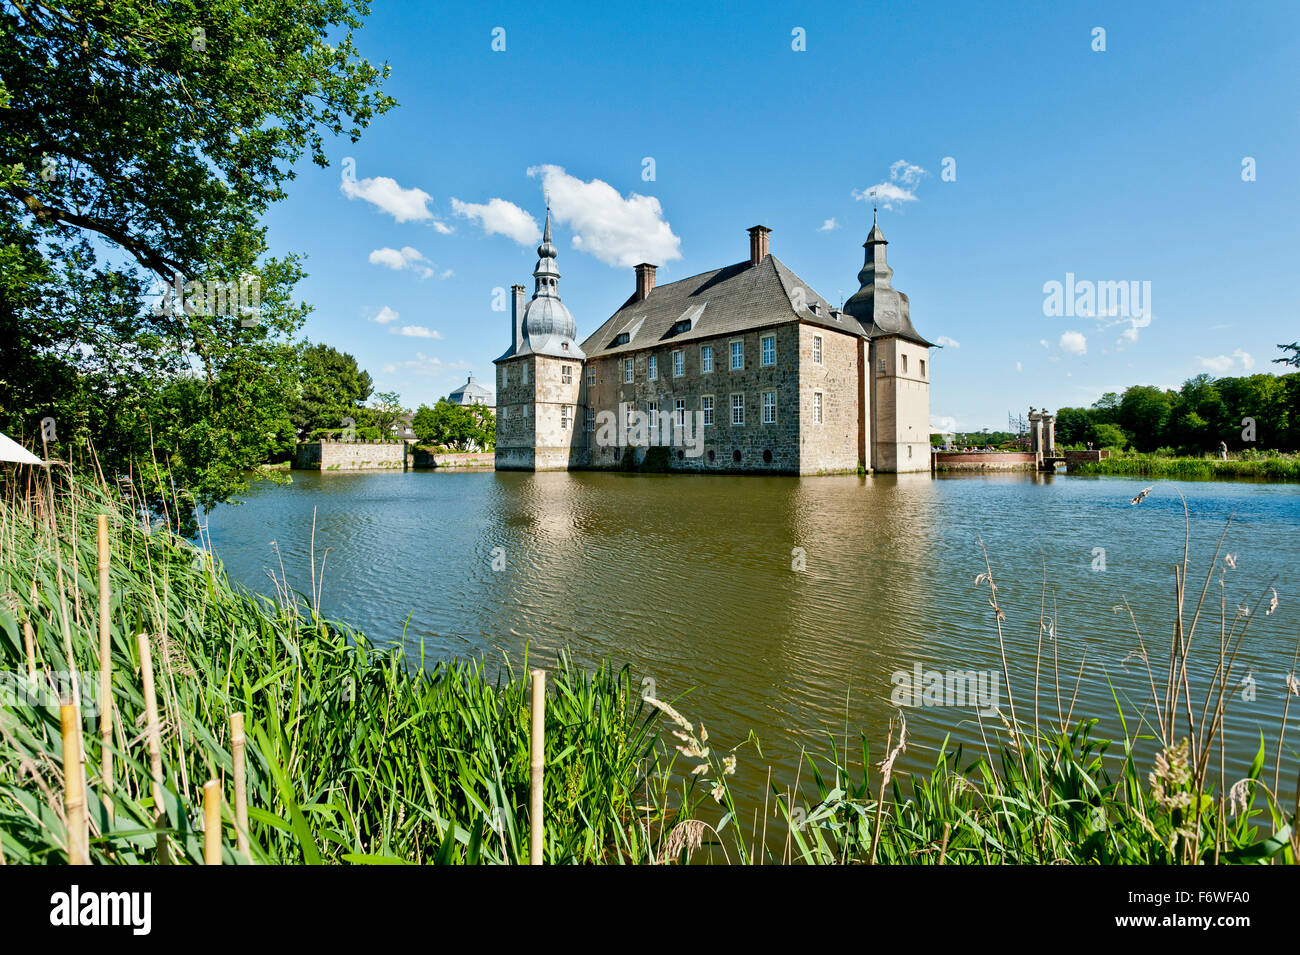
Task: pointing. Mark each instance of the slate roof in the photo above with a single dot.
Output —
(467, 392)
(730, 300)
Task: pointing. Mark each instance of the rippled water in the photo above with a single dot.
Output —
(690, 580)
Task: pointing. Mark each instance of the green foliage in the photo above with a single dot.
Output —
(1265, 465)
(332, 387)
(140, 146)
(1254, 411)
(1108, 436)
(455, 426)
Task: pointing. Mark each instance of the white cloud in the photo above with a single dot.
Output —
(446, 274)
(904, 177)
(403, 258)
(423, 364)
(415, 331)
(1239, 360)
(942, 423)
(1074, 342)
(385, 315)
(384, 193)
(1019, 367)
(617, 231)
(499, 217)
(828, 226)
(442, 227)
(947, 342)
(1045, 343)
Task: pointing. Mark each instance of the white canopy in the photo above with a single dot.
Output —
(11, 450)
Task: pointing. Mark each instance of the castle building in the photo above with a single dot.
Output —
(755, 368)
(472, 393)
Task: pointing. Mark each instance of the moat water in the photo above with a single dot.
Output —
(789, 606)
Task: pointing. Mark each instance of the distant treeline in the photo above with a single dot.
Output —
(1255, 411)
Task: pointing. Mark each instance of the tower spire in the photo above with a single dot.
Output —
(547, 275)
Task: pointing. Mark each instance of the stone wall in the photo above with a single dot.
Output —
(331, 456)
(772, 447)
(1079, 457)
(985, 461)
(540, 414)
(422, 459)
(901, 413)
(838, 442)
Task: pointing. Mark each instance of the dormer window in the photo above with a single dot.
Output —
(622, 338)
(682, 327)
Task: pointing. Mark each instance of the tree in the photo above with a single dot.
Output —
(455, 426)
(1144, 413)
(1073, 426)
(384, 411)
(1107, 435)
(1289, 359)
(332, 387)
(142, 142)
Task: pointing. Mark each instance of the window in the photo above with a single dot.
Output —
(679, 363)
(525, 375)
(652, 367)
(817, 407)
(683, 326)
(505, 377)
(654, 417)
(880, 366)
(769, 349)
(737, 409)
(706, 359)
(679, 412)
(909, 450)
(564, 417)
(922, 367)
(737, 356)
(591, 377)
(905, 364)
(591, 418)
(769, 407)
(631, 417)
(627, 370)
(706, 405)
(566, 374)
(505, 412)
(817, 349)
(622, 338)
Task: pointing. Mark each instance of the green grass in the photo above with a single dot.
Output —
(357, 757)
(1270, 466)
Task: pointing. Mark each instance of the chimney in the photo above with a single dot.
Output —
(517, 317)
(645, 280)
(758, 243)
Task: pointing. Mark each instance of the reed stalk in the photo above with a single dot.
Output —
(537, 766)
(105, 665)
(153, 737)
(237, 747)
(212, 822)
(74, 792)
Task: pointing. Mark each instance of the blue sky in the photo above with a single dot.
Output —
(1117, 165)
